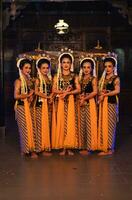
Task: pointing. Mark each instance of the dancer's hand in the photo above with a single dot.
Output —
(82, 101)
(50, 99)
(100, 98)
(63, 95)
(31, 93)
(69, 88)
(81, 96)
(103, 92)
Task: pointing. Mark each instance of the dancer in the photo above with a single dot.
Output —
(88, 111)
(43, 106)
(65, 86)
(23, 93)
(109, 88)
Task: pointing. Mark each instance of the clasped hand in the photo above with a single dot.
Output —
(65, 92)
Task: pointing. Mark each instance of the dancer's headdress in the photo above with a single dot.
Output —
(24, 89)
(87, 59)
(63, 52)
(110, 57)
(42, 80)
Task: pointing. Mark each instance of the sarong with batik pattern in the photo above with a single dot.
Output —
(88, 126)
(107, 126)
(25, 127)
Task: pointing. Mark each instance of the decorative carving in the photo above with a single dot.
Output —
(73, 40)
(98, 57)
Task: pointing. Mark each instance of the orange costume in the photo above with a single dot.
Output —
(64, 118)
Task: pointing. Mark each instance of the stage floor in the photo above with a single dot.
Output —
(66, 178)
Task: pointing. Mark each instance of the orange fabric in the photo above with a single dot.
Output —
(71, 139)
(59, 141)
(93, 120)
(53, 128)
(45, 126)
(99, 127)
(103, 125)
(78, 109)
(29, 125)
(34, 114)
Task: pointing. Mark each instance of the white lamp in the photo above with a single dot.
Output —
(61, 27)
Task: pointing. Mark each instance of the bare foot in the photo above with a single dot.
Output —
(62, 153)
(110, 152)
(47, 153)
(70, 153)
(34, 155)
(84, 152)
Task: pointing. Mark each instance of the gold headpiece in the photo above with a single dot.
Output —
(42, 80)
(19, 61)
(113, 56)
(94, 66)
(24, 89)
(63, 52)
(46, 58)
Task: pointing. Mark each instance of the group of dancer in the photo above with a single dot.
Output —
(67, 111)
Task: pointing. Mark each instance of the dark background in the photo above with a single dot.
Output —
(110, 22)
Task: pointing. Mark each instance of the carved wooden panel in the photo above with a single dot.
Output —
(54, 42)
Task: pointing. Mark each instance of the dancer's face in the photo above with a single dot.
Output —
(87, 68)
(26, 69)
(44, 69)
(66, 64)
(109, 67)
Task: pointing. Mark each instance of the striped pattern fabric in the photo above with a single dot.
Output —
(85, 128)
(22, 126)
(112, 120)
(38, 129)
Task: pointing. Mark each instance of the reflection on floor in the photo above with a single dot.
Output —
(66, 178)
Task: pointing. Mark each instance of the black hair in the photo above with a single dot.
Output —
(66, 55)
(23, 62)
(43, 61)
(110, 60)
(88, 60)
